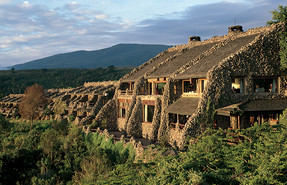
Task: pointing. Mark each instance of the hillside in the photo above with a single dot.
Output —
(18, 80)
(118, 55)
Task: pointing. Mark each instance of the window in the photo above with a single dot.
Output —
(150, 88)
(238, 85)
(127, 88)
(189, 86)
(122, 110)
(177, 118)
(142, 90)
(182, 119)
(160, 88)
(172, 120)
(174, 89)
(148, 113)
(202, 85)
(265, 85)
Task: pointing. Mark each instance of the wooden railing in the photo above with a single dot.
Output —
(128, 92)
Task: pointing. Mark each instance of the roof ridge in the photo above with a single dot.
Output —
(262, 34)
(203, 55)
(180, 52)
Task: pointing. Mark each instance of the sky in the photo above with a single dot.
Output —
(36, 29)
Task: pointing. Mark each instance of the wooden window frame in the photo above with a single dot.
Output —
(277, 89)
(147, 103)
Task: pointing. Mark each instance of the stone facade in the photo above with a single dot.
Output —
(80, 104)
(256, 58)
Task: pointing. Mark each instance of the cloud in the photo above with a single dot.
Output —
(101, 16)
(203, 20)
(2, 2)
(34, 31)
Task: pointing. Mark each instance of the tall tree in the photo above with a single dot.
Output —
(32, 102)
(280, 15)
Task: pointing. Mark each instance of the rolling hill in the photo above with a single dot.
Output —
(119, 55)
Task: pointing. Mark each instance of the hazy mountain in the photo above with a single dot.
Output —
(118, 55)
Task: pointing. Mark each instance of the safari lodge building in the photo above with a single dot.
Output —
(229, 81)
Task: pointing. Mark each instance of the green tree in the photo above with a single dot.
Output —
(1, 94)
(12, 70)
(279, 15)
(32, 103)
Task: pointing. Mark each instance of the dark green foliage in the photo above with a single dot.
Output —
(15, 83)
(280, 15)
(259, 157)
(61, 126)
(57, 152)
(283, 49)
(119, 55)
(1, 94)
(117, 153)
(19, 166)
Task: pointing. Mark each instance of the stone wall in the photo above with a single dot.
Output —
(259, 58)
(155, 121)
(163, 128)
(121, 122)
(105, 83)
(134, 126)
(146, 130)
(107, 116)
(82, 103)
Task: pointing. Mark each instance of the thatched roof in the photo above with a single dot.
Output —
(200, 69)
(254, 106)
(188, 55)
(184, 106)
(148, 66)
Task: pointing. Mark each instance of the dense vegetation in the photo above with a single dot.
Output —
(57, 152)
(119, 55)
(15, 81)
(280, 15)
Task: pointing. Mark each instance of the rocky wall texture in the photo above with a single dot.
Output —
(99, 104)
(78, 104)
(121, 122)
(105, 83)
(163, 128)
(156, 120)
(146, 130)
(175, 48)
(107, 116)
(134, 126)
(259, 58)
(136, 92)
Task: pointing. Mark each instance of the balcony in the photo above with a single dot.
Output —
(125, 92)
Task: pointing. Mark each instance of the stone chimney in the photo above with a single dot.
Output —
(234, 29)
(194, 39)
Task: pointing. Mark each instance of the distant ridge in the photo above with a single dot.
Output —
(119, 55)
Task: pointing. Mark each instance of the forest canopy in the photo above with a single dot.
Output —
(15, 82)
